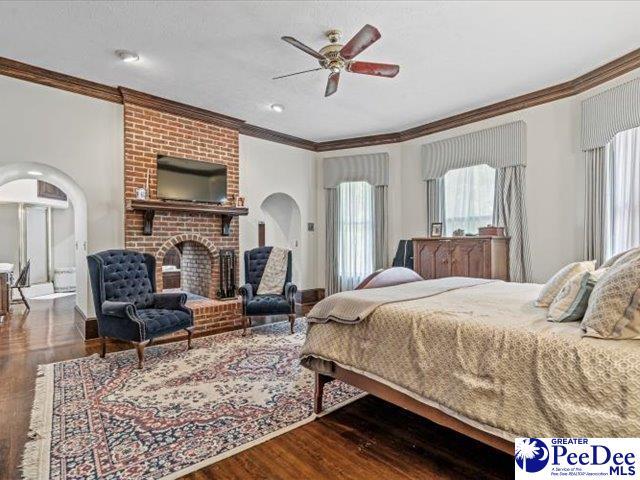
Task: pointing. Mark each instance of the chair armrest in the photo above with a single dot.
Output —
(169, 301)
(246, 291)
(290, 292)
(119, 309)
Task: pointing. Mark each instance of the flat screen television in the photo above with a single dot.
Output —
(191, 180)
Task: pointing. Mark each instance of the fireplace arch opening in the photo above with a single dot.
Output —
(187, 264)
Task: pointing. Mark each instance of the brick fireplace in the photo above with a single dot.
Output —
(149, 133)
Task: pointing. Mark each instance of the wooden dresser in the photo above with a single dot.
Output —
(480, 257)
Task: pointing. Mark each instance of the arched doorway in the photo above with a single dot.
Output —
(30, 170)
(283, 226)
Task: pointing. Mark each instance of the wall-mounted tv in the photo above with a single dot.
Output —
(191, 180)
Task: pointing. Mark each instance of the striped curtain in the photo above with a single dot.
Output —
(498, 147)
(435, 201)
(380, 235)
(333, 217)
(344, 214)
(595, 204)
(509, 211)
(609, 113)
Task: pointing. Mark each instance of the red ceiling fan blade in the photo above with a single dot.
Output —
(303, 47)
(378, 69)
(332, 84)
(361, 40)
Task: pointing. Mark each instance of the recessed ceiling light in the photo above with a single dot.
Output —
(276, 107)
(127, 56)
(35, 173)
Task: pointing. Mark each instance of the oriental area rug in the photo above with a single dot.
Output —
(105, 419)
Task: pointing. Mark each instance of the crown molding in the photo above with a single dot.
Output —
(273, 136)
(146, 100)
(589, 80)
(23, 71)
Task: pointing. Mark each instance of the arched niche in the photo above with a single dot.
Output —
(283, 226)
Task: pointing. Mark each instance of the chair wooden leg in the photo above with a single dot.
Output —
(103, 346)
(292, 321)
(24, 299)
(246, 322)
(189, 336)
(140, 349)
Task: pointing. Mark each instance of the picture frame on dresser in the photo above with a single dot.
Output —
(436, 229)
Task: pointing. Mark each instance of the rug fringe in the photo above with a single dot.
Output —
(36, 450)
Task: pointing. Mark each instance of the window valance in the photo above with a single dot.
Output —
(498, 147)
(372, 168)
(609, 113)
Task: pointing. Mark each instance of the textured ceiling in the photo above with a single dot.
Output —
(454, 56)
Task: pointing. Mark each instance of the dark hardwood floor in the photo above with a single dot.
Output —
(366, 439)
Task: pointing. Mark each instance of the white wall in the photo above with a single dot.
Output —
(78, 135)
(555, 182)
(267, 168)
(9, 250)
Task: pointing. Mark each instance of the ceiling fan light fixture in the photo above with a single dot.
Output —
(127, 56)
(335, 69)
(277, 107)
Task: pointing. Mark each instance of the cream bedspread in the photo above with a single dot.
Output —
(486, 355)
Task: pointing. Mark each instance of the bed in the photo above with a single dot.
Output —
(482, 359)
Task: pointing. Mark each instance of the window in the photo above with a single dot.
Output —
(622, 208)
(468, 198)
(355, 233)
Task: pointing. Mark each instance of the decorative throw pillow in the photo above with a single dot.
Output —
(555, 284)
(572, 300)
(612, 312)
(622, 257)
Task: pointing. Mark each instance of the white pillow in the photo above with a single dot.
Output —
(555, 283)
(573, 299)
(613, 305)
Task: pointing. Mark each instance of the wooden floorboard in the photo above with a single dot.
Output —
(366, 439)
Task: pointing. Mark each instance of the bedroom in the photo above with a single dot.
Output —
(467, 118)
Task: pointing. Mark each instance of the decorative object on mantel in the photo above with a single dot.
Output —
(149, 207)
(227, 275)
(143, 193)
(240, 201)
(492, 231)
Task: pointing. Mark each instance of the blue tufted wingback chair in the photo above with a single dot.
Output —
(127, 305)
(255, 261)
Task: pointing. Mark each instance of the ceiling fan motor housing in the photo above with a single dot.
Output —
(333, 61)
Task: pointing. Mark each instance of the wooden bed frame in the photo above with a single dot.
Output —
(384, 278)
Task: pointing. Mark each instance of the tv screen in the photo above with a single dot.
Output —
(191, 180)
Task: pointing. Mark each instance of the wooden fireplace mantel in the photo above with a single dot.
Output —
(150, 207)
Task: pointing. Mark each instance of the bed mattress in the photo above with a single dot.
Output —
(486, 355)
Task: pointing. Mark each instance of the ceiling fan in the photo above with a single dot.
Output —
(337, 57)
